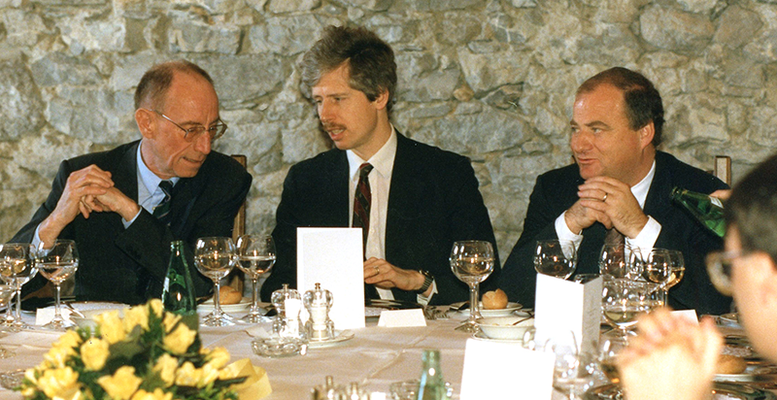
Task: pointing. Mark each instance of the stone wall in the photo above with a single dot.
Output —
(491, 79)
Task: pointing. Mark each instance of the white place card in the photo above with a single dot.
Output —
(497, 370)
(402, 318)
(689, 315)
(562, 306)
(44, 315)
(333, 257)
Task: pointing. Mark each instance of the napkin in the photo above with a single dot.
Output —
(257, 383)
(44, 315)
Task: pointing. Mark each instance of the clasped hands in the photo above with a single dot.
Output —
(384, 275)
(608, 201)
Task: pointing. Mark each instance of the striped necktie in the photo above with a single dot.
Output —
(162, 210)
(361, 218)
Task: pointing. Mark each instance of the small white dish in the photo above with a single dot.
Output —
(482, 336)
(243, 305)
(510, 327)
(500, 312)
(340, 336)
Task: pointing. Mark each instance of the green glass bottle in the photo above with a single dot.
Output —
(706, 209)
(432, 385)
(178, 290)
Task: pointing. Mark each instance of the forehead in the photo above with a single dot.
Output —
(190, 93)
(334, 81)
(604, 102)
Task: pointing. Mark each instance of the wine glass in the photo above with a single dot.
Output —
(57, 264)
(472, 261)
(6, 291)
(17, 266)
(609, 347)
(573, 368)
(214, 258)
(656, 268)
(676, 269)
(555, 258)
(622, 300)
(256, 256)
(619, 261)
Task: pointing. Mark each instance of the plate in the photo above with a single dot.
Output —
(91, 308)
(243, 305)
(482, 336)
(340, 336)
(720, 390)
(753, 373)
(502, 312)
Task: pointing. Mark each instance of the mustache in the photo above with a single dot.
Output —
(331, 127)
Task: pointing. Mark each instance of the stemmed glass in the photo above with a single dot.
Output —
(472, 261)
(256, 256)
(573, 369)
(214, 258)
(619, 261)
(677, 268)
(656, 268)
(555, 258)
(6, 291)
(57, 264)
(609, 347)
(17, 266)
(622, 300)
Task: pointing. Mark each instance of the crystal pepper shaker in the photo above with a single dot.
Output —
(318, 303)
(287, 323)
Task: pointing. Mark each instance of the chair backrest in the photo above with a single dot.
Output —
(239, 228)
(722, 169)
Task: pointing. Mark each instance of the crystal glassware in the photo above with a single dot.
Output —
(255, 256)
(17, 266)
(555, 258)
(656, 268)
(215, 257)
(57, 264)
(472, 261)
(676, 269)
(623, 299)
(6, 291)
(617, 261)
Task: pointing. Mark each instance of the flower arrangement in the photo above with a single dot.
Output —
(149, 354)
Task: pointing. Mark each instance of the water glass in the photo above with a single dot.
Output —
(57, 264)
(472, 261)
(215, 257)
(555, 258)
(256, 256)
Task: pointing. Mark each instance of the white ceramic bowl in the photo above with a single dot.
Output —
(503, 328)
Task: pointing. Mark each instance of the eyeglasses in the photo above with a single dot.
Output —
(719, 269)
(214, 131)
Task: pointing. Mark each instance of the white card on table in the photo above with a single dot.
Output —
(402, 318)
(689, 315)
(494, 370)
(562, 305)
(333, 257)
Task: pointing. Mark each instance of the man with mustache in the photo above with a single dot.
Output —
(421, 198)
(124, 206)
(618, 181)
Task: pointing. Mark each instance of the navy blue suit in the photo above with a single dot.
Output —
(556, 191)
(433, 201)
(129, 265)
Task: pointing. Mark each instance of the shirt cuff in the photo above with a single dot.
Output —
(128, 223)
(647, 237)
(423, 300)
(563, 232)
(36, 238)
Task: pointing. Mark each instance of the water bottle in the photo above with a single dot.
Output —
(431, 385)
(706, 209)
(178, 289)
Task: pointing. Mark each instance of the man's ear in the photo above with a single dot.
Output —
(146, 122)
(382, 100)
(646, 134)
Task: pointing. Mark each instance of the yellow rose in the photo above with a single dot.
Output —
(111, 326)
(94, 352)
(157, 306)
(179, 339)
(122, 385)
(170, 321)
(208, 375)
(137, 315)
(58, 354)
(187, 375)
(218, 357)
(158, 394)
(166, 366)
(59, 383)
(69, 339)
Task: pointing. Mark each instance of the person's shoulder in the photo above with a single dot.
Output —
(223, 164)
(430, 154)
(562, 175)
(320, 162)
(102, 159)
(686, 175)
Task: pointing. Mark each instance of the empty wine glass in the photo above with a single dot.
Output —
(256, 256)
(214, 258)
(624, 299)
(6, 291)
(555, 258)
(618, 261)
(57, 264)
(17, 266)
(472, 261)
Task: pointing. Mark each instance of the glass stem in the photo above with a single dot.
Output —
(474, 303)
(216, 300)
(57, 311)
(254, 296)
(18, 316)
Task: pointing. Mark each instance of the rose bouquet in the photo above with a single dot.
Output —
(149, 354)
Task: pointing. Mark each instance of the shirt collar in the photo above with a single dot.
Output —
(382, 161)
(148, 178)
(640, 190)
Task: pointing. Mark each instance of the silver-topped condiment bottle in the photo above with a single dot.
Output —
(318, 302)
(287, 323)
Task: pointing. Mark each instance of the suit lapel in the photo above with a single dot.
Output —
(657, 202)
(125, 175)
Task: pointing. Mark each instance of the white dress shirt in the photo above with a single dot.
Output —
(646, 238)
(380, 184)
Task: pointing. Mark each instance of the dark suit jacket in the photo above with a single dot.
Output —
(433, 201)
(129, 265)
(556, 191)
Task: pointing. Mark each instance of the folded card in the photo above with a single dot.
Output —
(562, 306)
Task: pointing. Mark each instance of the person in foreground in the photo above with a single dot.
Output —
(413, 200)
(113, 203)
(674, 359)
(619, 184)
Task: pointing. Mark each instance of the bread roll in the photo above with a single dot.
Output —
(728, 364)
(494, 300)
(228, 295)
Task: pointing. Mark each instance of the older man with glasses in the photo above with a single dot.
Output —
(123, 207)
(675, 359)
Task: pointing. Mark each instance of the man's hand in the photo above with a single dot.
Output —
(670, 359)
(89, 181)
(614, 204)
(113, 200)
(382, 274)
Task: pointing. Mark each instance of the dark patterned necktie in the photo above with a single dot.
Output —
(361, 203)
(361, 218)
(162, 210)
(617, 242)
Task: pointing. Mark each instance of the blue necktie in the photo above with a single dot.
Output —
(162, 210)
